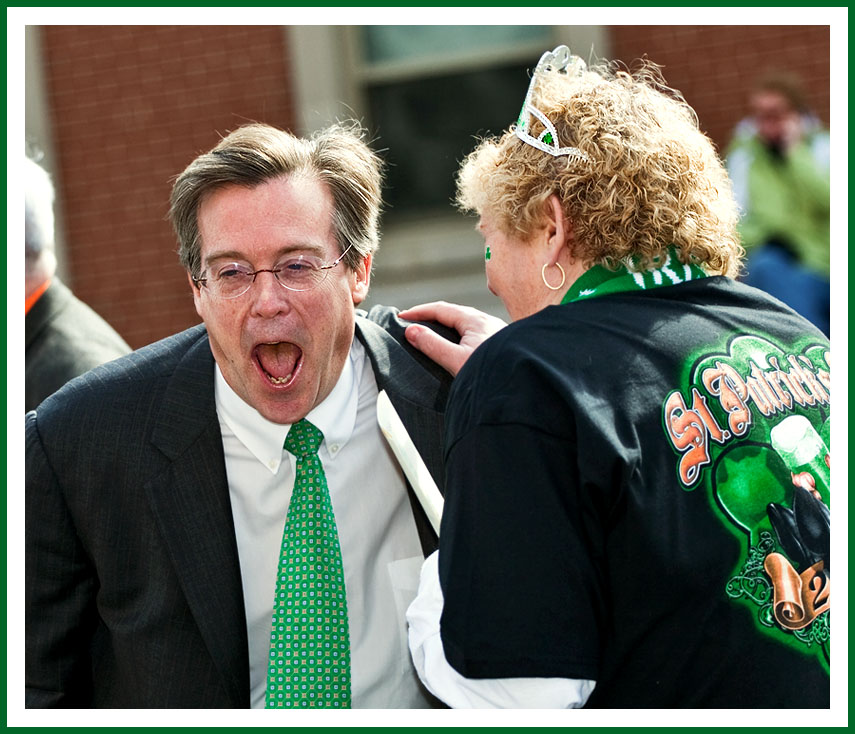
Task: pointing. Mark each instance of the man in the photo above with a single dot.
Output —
(158, 486)
(64, 336)
(779, 163)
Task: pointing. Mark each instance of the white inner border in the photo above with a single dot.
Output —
(837, 18)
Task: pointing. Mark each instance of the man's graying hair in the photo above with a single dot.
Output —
(256, 153)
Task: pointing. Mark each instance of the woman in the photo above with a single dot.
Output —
(610, 454)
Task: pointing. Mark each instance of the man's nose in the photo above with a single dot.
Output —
(269, 298)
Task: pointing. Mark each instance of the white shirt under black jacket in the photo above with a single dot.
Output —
(381, 553)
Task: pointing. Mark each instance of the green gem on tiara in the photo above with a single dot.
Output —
(559, 60)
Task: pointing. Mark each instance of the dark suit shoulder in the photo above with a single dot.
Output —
(119, 388)
(383, 316)
(72, 324)
(394, 349)
(387, 318)
(64, 339)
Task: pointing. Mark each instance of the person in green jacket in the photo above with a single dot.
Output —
(778, 161)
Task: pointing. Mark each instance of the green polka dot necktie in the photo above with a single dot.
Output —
(309, 661)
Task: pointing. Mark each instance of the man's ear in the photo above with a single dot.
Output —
(558, 229)
(197, 294)
(361, 279)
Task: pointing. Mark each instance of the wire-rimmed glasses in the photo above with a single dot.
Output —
(294, 272)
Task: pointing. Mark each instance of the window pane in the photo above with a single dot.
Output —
(400, 43)
(429, 125)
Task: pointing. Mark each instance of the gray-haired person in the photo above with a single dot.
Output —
(64, 336)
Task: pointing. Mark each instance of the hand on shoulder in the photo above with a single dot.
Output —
(474, 327)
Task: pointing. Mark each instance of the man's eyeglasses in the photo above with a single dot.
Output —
(296, 273)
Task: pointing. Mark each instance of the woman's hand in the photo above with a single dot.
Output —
(474, 327)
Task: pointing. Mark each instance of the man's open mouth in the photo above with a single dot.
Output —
(278, 361)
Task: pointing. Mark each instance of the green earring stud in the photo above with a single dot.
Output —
(487, 254)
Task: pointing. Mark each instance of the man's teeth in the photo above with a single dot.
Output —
(280, 380)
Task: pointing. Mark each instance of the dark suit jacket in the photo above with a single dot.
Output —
(65, 338)
(133, 586)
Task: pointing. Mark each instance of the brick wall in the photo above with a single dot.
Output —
(131, 107)
(715, 66)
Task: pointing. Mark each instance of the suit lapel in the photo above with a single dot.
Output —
(191, 502)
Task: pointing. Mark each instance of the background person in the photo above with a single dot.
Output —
(158, 486)
(779, 162)
(624, 520)
(64, 336)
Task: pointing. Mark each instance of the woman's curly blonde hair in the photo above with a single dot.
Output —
(653, 178)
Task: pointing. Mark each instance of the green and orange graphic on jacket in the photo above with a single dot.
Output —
(749, 427)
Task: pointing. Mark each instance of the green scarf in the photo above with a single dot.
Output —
(599, 280)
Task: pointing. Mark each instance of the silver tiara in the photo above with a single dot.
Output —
(558, 60)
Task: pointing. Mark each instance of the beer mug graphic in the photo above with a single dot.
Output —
(802, 449)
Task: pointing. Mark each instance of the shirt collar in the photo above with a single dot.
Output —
(335, 416)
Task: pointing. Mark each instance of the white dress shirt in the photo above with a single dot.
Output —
(381, 553)
(458, 692)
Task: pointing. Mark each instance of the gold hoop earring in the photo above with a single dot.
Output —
(543, 275)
